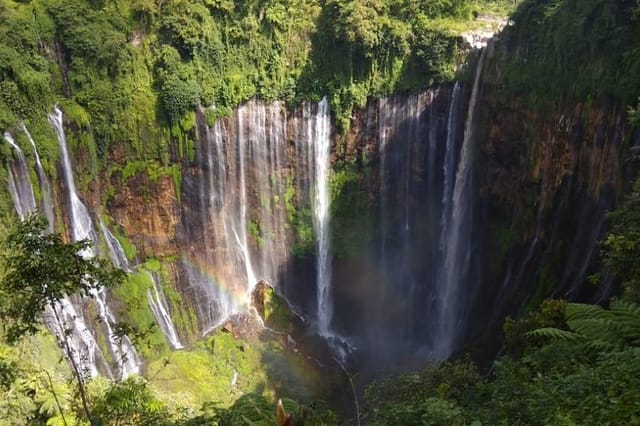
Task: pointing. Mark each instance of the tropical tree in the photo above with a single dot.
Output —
(40, 270)
(130, 402)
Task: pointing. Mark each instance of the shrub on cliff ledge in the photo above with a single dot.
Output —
(179, 97)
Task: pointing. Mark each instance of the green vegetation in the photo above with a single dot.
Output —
(211, 382)
(39, 271)
(572, 50)
(262, 366)
(351, 212)
(133, 72)
(622, 244)
(275, 311)
(34, 382)
(541, 383)
(130, 69)
(301, 220)
(136, 312)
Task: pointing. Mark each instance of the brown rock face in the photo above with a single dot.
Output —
(149, 213)
(546, 179)
(525, 148)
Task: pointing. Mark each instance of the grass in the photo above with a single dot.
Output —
(204, 374)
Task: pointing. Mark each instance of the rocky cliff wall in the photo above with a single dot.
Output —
(547, 175)
(235, 207)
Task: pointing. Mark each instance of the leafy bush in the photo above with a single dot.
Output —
(179, 96)
(130, 403)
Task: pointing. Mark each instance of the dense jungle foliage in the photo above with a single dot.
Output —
(133, 68)
(567, 50)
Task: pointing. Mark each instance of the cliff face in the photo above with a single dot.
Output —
(542, 184)
(448, 208)
(439, 222)
(546, 178)
(245, 210)
(148, 212)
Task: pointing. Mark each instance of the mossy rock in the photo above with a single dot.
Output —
(275, 311)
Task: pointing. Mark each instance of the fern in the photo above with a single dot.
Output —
(597, 329)
(552, 333)
(577, 311)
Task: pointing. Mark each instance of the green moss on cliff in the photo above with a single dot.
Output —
(184, 316)
(351, 212)
(136, 312)
(572, 49)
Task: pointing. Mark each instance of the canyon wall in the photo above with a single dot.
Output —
(448, 209)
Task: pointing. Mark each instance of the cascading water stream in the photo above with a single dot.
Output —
(62, 317)
(19, 184)
(116, 252)
(433, 142)
(45, 184)
(160, 309)
(451, 302)
(321, 142)
(155, 296)
(240, 228)
(448, 168)
(384, 117)
(213, 191)
(122, 350)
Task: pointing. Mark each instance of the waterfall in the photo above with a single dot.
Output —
(240, 227)
(116, 252)
(160, 309)
(451, 298)
(82, 228)
(433, 143)
(81, 224)
(155, 296)
(448, 169)
(43, 180)
(386, 116)
(253, 180)
(241, 222)
(321, 148)
(19, 184)
(67, 323)
(63, 316)
(214, 225)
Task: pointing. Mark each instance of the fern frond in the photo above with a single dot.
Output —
(597, 328)
(555, 334)
(624, 309)
(577, 311)
(604, 347)
(609, 329)
(601, 330)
